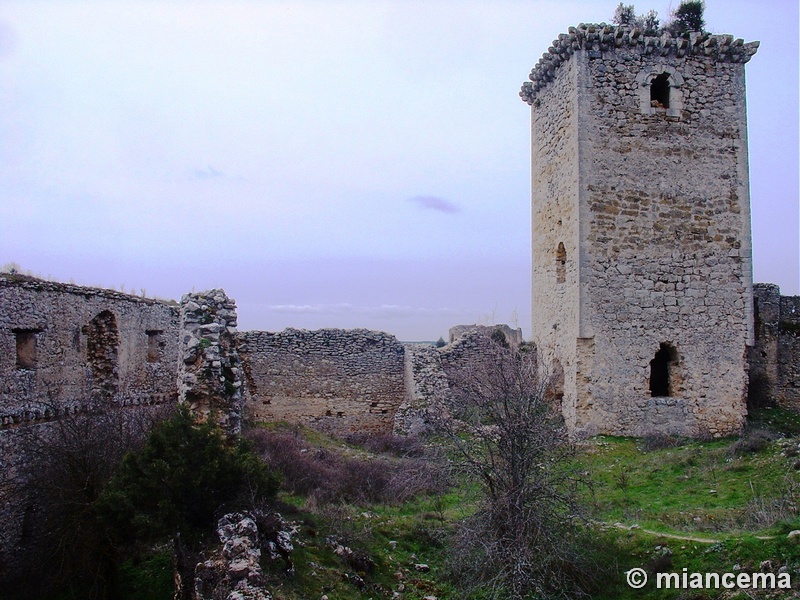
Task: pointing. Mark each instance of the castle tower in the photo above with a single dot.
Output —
(642, 283)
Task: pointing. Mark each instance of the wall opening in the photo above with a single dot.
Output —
(555, 389)
(659, 91)
(102, 348)
(561, 263)
(26, 347)
(662, 371)
(155, 342)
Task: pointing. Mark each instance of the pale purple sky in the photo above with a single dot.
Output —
(330, 164)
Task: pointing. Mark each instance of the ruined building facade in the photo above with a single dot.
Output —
(642, 283)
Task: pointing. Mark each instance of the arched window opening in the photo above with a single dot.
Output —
(561, 263)
(659, 91)
(661, 371)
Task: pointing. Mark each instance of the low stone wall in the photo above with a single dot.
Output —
(338, 380)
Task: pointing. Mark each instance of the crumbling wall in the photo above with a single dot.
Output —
(775, 357)
(210, 371)
(68, 351)
(427, 387)
(339, 380)
(512, 337)
(433, 373)
(64, 347)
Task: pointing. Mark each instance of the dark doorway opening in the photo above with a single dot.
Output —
(661, 375)
(659, 91)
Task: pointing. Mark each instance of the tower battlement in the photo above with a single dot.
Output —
(600, 37)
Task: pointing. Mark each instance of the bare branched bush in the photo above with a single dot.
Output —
(328, 477)
(506, 434)
(65, 465)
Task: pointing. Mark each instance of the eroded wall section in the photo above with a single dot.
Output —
(338, 380)
(775, 357)
(64, 347)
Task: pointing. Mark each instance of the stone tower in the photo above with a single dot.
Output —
(642, 277)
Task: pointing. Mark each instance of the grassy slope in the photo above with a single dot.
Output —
(700, 490)
(742, 503)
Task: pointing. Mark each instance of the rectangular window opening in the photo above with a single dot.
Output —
(155, 343)
(26, 347)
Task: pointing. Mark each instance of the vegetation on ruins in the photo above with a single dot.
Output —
(99, 489)
(509, 437)
(65, 542)
(687, 17)
(180, 480)
(375, 515)
(625, 14)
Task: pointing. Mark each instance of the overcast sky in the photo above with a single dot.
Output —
(330, 164)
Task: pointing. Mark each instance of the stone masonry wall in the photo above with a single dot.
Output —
(555, 227)
(63, 347)
(432, 373)
(338, 380)
(71, 350)
(210, 371)
(775, 357)
(663, 258)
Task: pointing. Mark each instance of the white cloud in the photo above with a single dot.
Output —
(436, 203)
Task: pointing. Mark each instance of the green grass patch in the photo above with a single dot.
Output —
(697, 486)
(150, 578)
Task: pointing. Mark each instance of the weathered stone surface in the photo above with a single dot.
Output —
(211, 374)
(641, 230)
(64, 347)
(775, 357)
(335, 379)
(432, 373)
(233, 572)
(68, 350)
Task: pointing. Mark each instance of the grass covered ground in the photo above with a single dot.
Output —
(659, 504)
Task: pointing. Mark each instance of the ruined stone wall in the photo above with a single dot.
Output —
(338, 380)
(431, 374)
(210, 374)
(63, 347)
(664, 237)
(67, 350)
(775, 357)
(513, 337)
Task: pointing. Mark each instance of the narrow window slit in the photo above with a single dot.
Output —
(561, 263)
